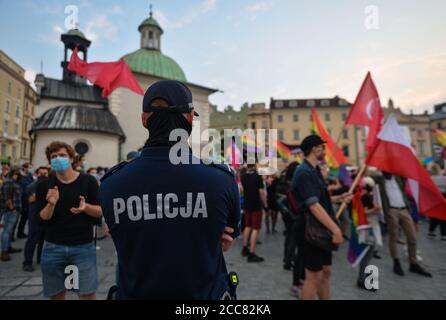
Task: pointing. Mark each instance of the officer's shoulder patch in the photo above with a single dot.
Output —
(224, 167)
(114, 169)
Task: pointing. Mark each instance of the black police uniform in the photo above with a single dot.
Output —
(166, 222)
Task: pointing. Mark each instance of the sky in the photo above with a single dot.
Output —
(253, 50)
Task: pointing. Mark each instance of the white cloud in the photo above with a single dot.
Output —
(30, 75)
(261, 6)
(203, 8)
(101, 27)
(53, 37)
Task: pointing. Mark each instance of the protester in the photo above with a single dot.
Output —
(396, 207)
(371, 210)
(440, 181)
(271, 213)
(25, 180)
(68, 204)
(254, 203)
(132, 155)
(36, 231)
(311, 195)
(11, 206)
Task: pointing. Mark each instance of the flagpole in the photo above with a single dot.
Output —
(352, 188)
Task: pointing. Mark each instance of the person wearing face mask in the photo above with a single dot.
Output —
(68, 205)
(396, 209)
(170, 222)
(12, 202)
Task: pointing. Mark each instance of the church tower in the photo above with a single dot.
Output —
(72, 39)
(151, 33)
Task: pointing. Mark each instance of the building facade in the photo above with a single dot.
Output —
(293, 121)
(17, 101)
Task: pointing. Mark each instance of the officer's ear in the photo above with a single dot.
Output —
(144, 117)
(189, 116)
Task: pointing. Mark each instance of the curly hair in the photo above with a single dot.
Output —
(56, 146)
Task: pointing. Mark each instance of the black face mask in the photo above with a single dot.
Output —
(161, 124)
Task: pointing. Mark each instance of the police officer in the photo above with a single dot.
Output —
(170, 223)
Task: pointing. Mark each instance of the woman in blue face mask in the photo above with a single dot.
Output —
(69, 200)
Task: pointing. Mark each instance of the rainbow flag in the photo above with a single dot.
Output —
(250, 144)
(334, 155)
(441, 136)
(357, 250)
(283, 151)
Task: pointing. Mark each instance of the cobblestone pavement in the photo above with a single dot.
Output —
(267, 280)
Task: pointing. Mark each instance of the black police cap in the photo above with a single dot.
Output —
(176, 94)
(311, 141)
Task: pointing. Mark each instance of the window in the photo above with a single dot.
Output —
(264, 124)
(293, 103)
(4, 150)
(280, 118)
(346, 150)
(14, 152)
(280, 134)
(8, 106)
(6, 126)
(327, 117)
(345, 134)
(421, 147)
(253, 125)
(150, 35)
(26, 107)
(24, 146)
(26, 126)
(295, 117)
(310, 103)
(344, 116)
(17, 111)
(325, 103)
(296, 134)
(279, 104)
(19, 93)
(9, 87)
(420, 133)
(16, 130)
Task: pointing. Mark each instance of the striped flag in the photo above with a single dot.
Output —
(357, 250)
(334, 155)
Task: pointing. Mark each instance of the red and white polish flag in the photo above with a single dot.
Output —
(393, 153)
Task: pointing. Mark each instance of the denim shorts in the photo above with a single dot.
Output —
(59, 262)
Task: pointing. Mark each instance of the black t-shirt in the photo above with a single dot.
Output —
(64, 227)
(367, 201)
(252, 183)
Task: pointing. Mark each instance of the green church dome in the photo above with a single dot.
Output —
(153, 62)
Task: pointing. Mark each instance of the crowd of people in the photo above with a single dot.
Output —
(194, 213)
(306, 190)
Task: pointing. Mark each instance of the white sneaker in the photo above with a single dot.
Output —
(295, 291)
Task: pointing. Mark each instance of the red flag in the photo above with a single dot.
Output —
(107, 75)
(394, 154)
(367, 111)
